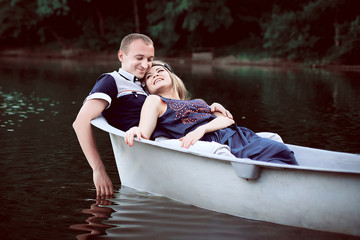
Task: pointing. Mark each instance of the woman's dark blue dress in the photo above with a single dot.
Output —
(183, 116)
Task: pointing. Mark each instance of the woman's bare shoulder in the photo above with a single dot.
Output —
(153, 99)
(156, 103)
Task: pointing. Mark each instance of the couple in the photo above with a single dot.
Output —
(120, 97)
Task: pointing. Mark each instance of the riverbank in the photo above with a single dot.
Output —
(202, 58)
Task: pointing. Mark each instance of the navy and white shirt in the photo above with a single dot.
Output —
(124, 95)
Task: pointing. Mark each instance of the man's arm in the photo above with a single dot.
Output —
(83, 129)
(217, 107)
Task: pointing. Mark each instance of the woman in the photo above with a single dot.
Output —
(167, 113)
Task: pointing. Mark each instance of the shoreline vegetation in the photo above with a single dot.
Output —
(277, 33)
(206, 57)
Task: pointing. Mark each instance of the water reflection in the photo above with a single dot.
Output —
(99, 211)
(16, 107)
(133, 214)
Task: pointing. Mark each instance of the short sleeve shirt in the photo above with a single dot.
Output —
(124, 95)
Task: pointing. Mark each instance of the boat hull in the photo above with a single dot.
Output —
(319, 199)
(326, 201)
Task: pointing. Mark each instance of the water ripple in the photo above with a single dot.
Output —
(139, 215)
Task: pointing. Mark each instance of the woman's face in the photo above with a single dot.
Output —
(157, 79)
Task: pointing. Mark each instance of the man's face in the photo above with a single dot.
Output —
(138, 58)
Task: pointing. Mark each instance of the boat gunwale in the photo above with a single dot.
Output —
(102, 124)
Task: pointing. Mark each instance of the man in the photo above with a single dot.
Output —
(119, 97)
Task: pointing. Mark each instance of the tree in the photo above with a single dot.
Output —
(78, 23)
(347, 47)
(309, 32)
(289, 34)
(185, 21)
(15, 18)
(22, 17)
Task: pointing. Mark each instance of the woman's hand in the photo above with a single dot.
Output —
(212, 126)
(130, 135)
(192, 137)
(217, 107)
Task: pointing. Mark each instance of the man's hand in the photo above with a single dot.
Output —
(217, 107)
(102, 183)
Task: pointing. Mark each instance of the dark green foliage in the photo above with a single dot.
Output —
(310, 32)
(186, 23)
(317, 31)
(348, 51)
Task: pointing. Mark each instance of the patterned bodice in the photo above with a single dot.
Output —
(182, 116)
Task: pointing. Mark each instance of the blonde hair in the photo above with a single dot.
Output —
(177, 83)
(127, 40)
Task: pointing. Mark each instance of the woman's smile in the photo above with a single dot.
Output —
(158, 80)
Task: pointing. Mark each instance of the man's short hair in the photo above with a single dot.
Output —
(127, 40)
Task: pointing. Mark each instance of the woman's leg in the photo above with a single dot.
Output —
(260, 149)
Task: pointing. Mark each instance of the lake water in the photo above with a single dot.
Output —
(46, 183)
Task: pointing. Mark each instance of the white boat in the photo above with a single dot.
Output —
(322, 193)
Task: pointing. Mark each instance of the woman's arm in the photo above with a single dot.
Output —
(218, 108)
(218, 123)
(152, 109)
